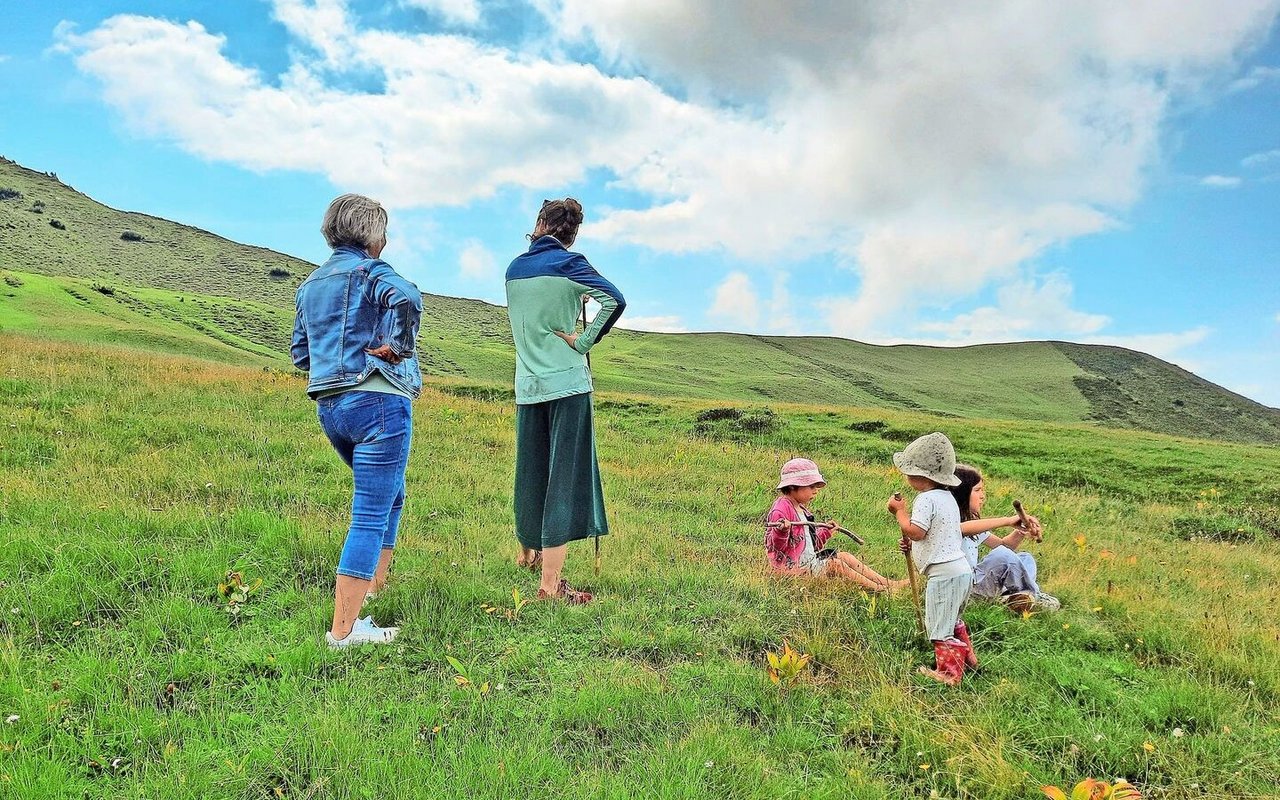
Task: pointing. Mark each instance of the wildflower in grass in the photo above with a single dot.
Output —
(1091, 789)
(1081, 543)
(786, 666)
(464, 680)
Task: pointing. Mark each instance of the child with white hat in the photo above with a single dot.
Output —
(932, 530)
(795, 543)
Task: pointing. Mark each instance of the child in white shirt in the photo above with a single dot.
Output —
(932, 532)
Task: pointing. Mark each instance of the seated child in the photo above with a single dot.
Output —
(932, 530)
(1004, 574)
(799, 549)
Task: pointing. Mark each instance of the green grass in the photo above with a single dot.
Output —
(238, 304)
(132, 481)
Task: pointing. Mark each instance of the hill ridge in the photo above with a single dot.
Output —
(230, 293)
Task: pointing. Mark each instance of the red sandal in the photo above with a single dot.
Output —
(566, 593)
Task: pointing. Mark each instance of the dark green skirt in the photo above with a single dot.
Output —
(558, 496)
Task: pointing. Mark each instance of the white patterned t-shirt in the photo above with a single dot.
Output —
(935, 512)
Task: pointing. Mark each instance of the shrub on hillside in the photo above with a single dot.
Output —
(733, 422)
(10, 194)
(870, 426)
(13, 280)
(130, 236)
(57, 223)
(280, 272)
(37, 207)
(101, 289)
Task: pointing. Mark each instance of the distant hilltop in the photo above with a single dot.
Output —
(134, 280)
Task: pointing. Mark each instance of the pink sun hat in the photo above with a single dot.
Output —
(800, 472)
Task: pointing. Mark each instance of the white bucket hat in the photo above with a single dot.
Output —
(931, 456)
(800, 472)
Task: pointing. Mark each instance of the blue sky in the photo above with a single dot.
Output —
(933, 172)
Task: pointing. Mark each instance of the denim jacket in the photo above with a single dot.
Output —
(353, 302)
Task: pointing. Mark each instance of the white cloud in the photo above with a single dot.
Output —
(933, 147)
(658, 324)
(477, 263)
(1260, 159)
(461, 12)
(1221, 181)
(1256, 77)
(1162, 345)
(736, 300)
(1024, 309)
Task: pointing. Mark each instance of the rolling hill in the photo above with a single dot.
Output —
(78, 270)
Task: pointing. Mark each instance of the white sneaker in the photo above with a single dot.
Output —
(1047, 602)
(362, 632)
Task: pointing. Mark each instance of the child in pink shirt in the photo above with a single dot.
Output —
(799, 549)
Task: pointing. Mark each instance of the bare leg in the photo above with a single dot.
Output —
(348, 597)
(528, 557)
(552, 565)
(384, 567)
(866, 577)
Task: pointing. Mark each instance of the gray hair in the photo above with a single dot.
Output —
(354, 219)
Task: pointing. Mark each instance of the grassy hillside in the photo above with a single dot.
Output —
(241, 298)
(131, 482)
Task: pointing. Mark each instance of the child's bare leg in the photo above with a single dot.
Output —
(840, 568)
(877, 581)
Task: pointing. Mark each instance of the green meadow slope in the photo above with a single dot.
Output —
(172, 287)
(131, 482)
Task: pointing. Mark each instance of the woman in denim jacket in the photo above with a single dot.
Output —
(355, 331)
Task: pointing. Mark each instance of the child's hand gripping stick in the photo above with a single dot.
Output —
(1026, 523)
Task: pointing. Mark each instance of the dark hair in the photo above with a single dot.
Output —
(560, 218)
(969, 478)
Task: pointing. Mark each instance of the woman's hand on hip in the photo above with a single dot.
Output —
(385, 353)
(570, 339)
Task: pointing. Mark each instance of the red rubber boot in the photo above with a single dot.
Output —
(949, 663)
(962, 633)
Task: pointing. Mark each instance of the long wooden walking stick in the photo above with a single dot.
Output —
(584, 328)
(914, 577)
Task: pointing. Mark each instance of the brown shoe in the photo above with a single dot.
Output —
(1019, 602)
(566, 593)
(533, 563)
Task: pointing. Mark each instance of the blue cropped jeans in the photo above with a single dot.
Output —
(371, 432)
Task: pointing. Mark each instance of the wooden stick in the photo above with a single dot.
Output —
(584, 328)
(836, 528)
(915, 587)
(1024, 521)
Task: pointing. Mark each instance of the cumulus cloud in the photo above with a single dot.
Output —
(736, 301)
(1024, 309)
(933, 147)
(1256, 77)
(1221, 181)
(460, 12)
(1168, 346)
(477, 263)
(1261, 159)
(657, 324)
